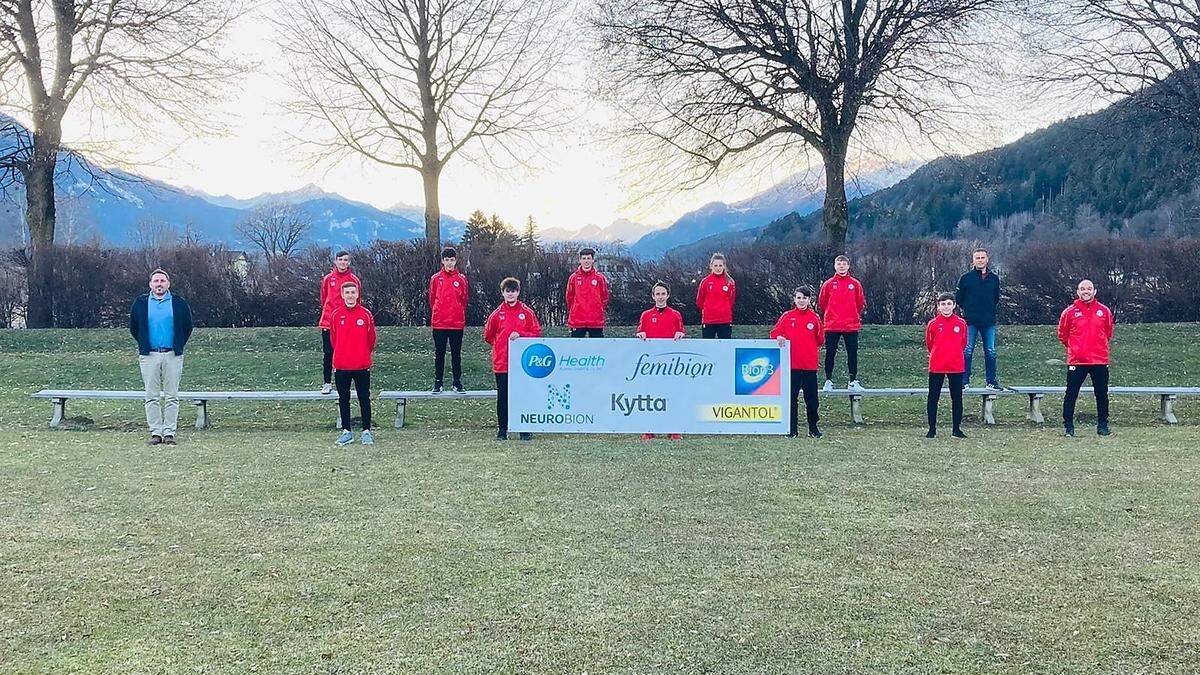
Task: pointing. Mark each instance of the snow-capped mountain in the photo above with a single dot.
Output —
(619, 230)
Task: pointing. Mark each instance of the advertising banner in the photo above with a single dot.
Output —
(625, 385)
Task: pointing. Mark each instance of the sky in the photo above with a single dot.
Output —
(579, 182)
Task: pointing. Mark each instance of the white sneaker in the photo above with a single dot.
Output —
(828, 385)
(854, 386)
(326, 388)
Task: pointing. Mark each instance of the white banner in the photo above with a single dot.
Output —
(625, 385)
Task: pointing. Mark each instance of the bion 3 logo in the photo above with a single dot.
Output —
(756, 372)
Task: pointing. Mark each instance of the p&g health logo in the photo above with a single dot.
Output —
(756, 372)
(538, 360)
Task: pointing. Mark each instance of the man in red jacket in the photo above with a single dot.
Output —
(715, 296)
(842, 302)
(587, 297)
(946, 338)
(331, 300)
(511, 320)
(1085, 328)
(448, 318)
(352, 332)
(802, 328)
(661, 322)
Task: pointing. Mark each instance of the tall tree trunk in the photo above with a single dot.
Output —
(836, 213)
(430, 176)
(39, 217)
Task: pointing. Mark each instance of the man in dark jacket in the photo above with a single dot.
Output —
(978, 294)
(161, 323)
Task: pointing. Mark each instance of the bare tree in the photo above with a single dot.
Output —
(710, 83)
(413, 83)
(140, 60)
(278, 230)
(1148, 49)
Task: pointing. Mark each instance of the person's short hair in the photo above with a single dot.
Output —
(806, 291)
(510, 284)
(449, 252)
(664, 286)
(159, 270)
(342, 254)
(979, 249)
(587, 250)
(349, 283)
(841, 257)
(945, 296)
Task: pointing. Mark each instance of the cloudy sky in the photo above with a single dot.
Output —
(580, 182)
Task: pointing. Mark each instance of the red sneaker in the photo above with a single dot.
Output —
(647, 437)
(676, 437)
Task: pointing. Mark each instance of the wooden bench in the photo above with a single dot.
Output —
(403, 397)
(199, 398)
(1166, 397)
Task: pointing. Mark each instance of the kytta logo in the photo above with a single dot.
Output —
(756, 372)
(538, 360)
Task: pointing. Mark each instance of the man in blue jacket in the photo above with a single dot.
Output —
(161, 323)
(978, 294)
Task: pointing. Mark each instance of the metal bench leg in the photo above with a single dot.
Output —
(1035, 409)
(856, 409)
(400, 405)
(989, 409)
(60, 411)
(1167, 406)
(202, 421)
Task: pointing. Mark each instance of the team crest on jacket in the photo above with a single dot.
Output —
(1099, 312)
(521, 316)
(850, 286)
(725, 288)
(810, 326)
(594, 282)
(456, 284)
(956, 329)
(360, 322)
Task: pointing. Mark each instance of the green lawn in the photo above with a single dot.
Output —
(258, 546)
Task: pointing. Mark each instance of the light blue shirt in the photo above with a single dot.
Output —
(161, 320)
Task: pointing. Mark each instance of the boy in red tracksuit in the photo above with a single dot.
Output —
(1086, 328)
(661, 322)
(802, 328)
(331, 300)
(448, 318)
(587, 297)
(946, 340)
(511, 320)
(715, 297)
(842, 302)
(352, 332)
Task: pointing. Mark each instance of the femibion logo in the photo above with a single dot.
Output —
(538, 360)
(756, 372)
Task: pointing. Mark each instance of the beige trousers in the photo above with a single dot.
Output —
(161, 372)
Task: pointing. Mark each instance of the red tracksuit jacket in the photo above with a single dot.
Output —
(664, 323)
(501, 323)
(352, 333)
(715, 297)
(331, 294)
(587, 298)
(1085, 329)
(803, 330)
(842, 301)
(946, 338)
(448, 300)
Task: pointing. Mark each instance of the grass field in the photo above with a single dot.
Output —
(256, 546)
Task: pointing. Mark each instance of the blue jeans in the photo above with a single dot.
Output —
(988, 333)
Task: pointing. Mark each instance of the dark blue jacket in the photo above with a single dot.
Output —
(139, 323)
(978, 297)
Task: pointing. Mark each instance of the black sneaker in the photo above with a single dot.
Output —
(526, 436)
(931, 434)
(437, 388)
(501, 435)
(957, 433)
(1103, 430)
(815, 433)
(458, 388)
(1069, 432)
